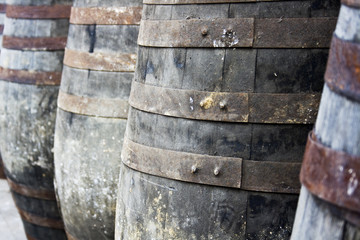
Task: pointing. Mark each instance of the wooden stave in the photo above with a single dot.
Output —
(117, 88)
(164, 197)
(327, 218)
(94, 217)
(122, 232)
(38, 179)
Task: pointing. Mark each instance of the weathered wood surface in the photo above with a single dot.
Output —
(150, 207)
(27, 123)
(86, 170)
(337, 127)
(91, 121)
(178, 210)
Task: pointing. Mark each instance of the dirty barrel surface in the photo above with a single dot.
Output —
(329, 201)
(93, 105)
(30, 70)
(223, 97)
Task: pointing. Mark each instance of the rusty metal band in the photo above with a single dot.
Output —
(212, 170)
(28, 237)
(30, 77)
(331, 175)
(174, 2)
(106, 16)
(226, 106)
(238, 32)
(41, 221)
(31, 192)
(100, 61)
(38, 12)
(100, 107)
(69, 236)
(343, 68)
(2, 8)
(351, 3)
(39, 43)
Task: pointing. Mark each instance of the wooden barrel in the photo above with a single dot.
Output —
(99, 66)
(329, 203)
(30, 70)
(223, 97)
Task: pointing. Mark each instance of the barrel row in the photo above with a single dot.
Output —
(31, 64)
(99, 64)
(215, 134)
(329, 173)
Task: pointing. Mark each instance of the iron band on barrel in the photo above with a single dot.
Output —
(30, 192)
(343, 69)
(106, 16)
(100, 61)
(70, 236)
(242, 32)
(351, 3)
(116, 108)
(38, 12)
(31, 77)
(226, 106)
(212, 170)
(41, 221)
(173, 2)
(35, 44)
(331, 175)
(3, 8)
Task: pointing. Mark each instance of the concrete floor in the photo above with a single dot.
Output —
(11, 227)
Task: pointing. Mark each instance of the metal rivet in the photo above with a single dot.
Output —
(222, 104)
(204, 31)
(216, 171)
(193, 169)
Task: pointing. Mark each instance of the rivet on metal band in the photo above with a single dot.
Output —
(238, 32)
(226, 106)
(331, 175)
(231, 172)
(343, 68)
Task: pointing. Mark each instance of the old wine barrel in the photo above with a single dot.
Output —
(222, 99)
(99, 66)
(2, 18)
(30, 70)
(329, 203)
